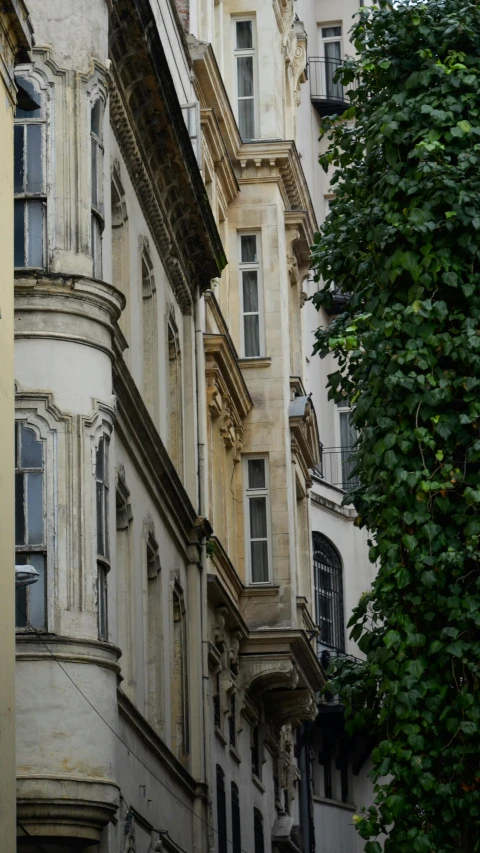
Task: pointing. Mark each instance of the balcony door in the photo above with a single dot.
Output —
(331, 53)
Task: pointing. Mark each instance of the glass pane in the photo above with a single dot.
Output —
(331, 32)
(258, 518)
(249, 249)
(259, 552)
(252, 335)
(333, 52)
(244, 35)
(348, 433)
(105, 515)
(94, 174)
(28, 87)
(246, 123)
(35, 508)
(18, 158)
(102, 602)
(245, 76)
(31, 455)
(105, 473)
(250, 291)
(96, 248)
(19, 512)
(37, 592)
(35, 233)
(19, 234)
(99, 468)
(96, 119)
(100, 538)
(34, 159)
(20, 604)
(256, 474)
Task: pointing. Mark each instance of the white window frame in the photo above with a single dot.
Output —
(324, 40)
(249, 493)
(246, 267)
(237, 54)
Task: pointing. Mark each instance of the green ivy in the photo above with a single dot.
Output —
(402, 242)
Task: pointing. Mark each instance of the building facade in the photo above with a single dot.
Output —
(169, 430)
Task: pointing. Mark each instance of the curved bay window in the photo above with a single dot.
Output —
(328, 588)
(96, 143)
(30, 541)
(29, 178)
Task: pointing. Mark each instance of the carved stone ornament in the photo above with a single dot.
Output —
(219, 628)
(259, 673)
(290, 707)
(128, 845)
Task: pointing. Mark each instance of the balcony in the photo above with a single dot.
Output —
(336, 467)
(328, 96)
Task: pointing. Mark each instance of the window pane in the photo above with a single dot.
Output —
(244, 35)
(246, 123)
(96, 119)
(99, 467)
(34, 159)
(100, 538)
(259, 556)
(19, 511)
(105, 516)
(35, 508)
(333, 52)
(28, 87)
(258, 518)
(250, 291)
(245, 76)
(18, 158)
(249, 248)
(31, 455)
(96, 248)
(331, 32)
(94, 174)
(35, 233)
(37, 592)
(19, 234)
(102, 602)
(252, 335)
(256, 474)
(20, 602)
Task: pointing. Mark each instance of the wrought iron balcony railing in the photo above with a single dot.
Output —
(328, 96)
(336, 466)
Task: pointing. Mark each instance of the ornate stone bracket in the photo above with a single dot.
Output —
(291, 707)
(259, 673)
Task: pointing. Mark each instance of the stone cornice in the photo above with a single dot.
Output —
(149, 125)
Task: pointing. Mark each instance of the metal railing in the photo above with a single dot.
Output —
(328, 93)
(336, 467)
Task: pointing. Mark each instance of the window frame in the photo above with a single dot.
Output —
(258, 831)
(97, 216)
(337, 596)
(26, 197)
(236, 818)
(221, 796)
(248, 494)
(103, 559)
(251, 266)
(239, 53)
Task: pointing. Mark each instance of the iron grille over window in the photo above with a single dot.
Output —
(328, 583)
(30, 546)
(258, 831)
(236, 830)
(221, 811)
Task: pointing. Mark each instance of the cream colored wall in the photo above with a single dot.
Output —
(7, 557)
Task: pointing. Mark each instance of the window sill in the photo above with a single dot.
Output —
(260, 589)
(338, 804)
(257, 361)
(256, 781)
(236, 755)
(220, 735)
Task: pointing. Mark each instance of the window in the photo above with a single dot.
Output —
(103, 546)
(29, 181)
(175, 399)
(221, 811)
(236, 828)
(255, 752)
(251, 297)
(257, 518)
(96, 143)
(245, 75)
(179, 685)
(332, 54)
(149, 331)
(328, 589)
(154, 629)
(232, 720)
(348, 438)
(30, 545)
(120, 245)
(217, 718)
(258, 831)
(326, 760)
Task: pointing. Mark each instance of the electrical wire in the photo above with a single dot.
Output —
(129, 749)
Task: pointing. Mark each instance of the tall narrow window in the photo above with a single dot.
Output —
(221, 811)
(179, 704)
(103, 547)
(236, 826)
(332, 54)
(251, 296)
(96, 143)
(120, 245)
(29, 180)
(258, 831)
(30, 545)
(245, 74)
(257, 506)
(328, 588)
(232, 720)
(175, 413)
(348, 438)
(155, 632)
(150, 337)
(255, 752)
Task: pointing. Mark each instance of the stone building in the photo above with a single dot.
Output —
(167, 450)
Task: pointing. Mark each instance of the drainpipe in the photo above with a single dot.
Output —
(202, 509)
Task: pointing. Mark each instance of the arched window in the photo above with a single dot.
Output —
(29, 178)
(258, 831)
(236, 829)
(30, 540)
(96, 143)
(328, 586)
(221, 811)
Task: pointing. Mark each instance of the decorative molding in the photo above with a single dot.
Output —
(304, 435)
(259, 673)
(290, 707)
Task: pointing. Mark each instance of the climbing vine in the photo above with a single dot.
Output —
(402, 243)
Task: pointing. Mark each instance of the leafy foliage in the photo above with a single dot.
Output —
(402, 240)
